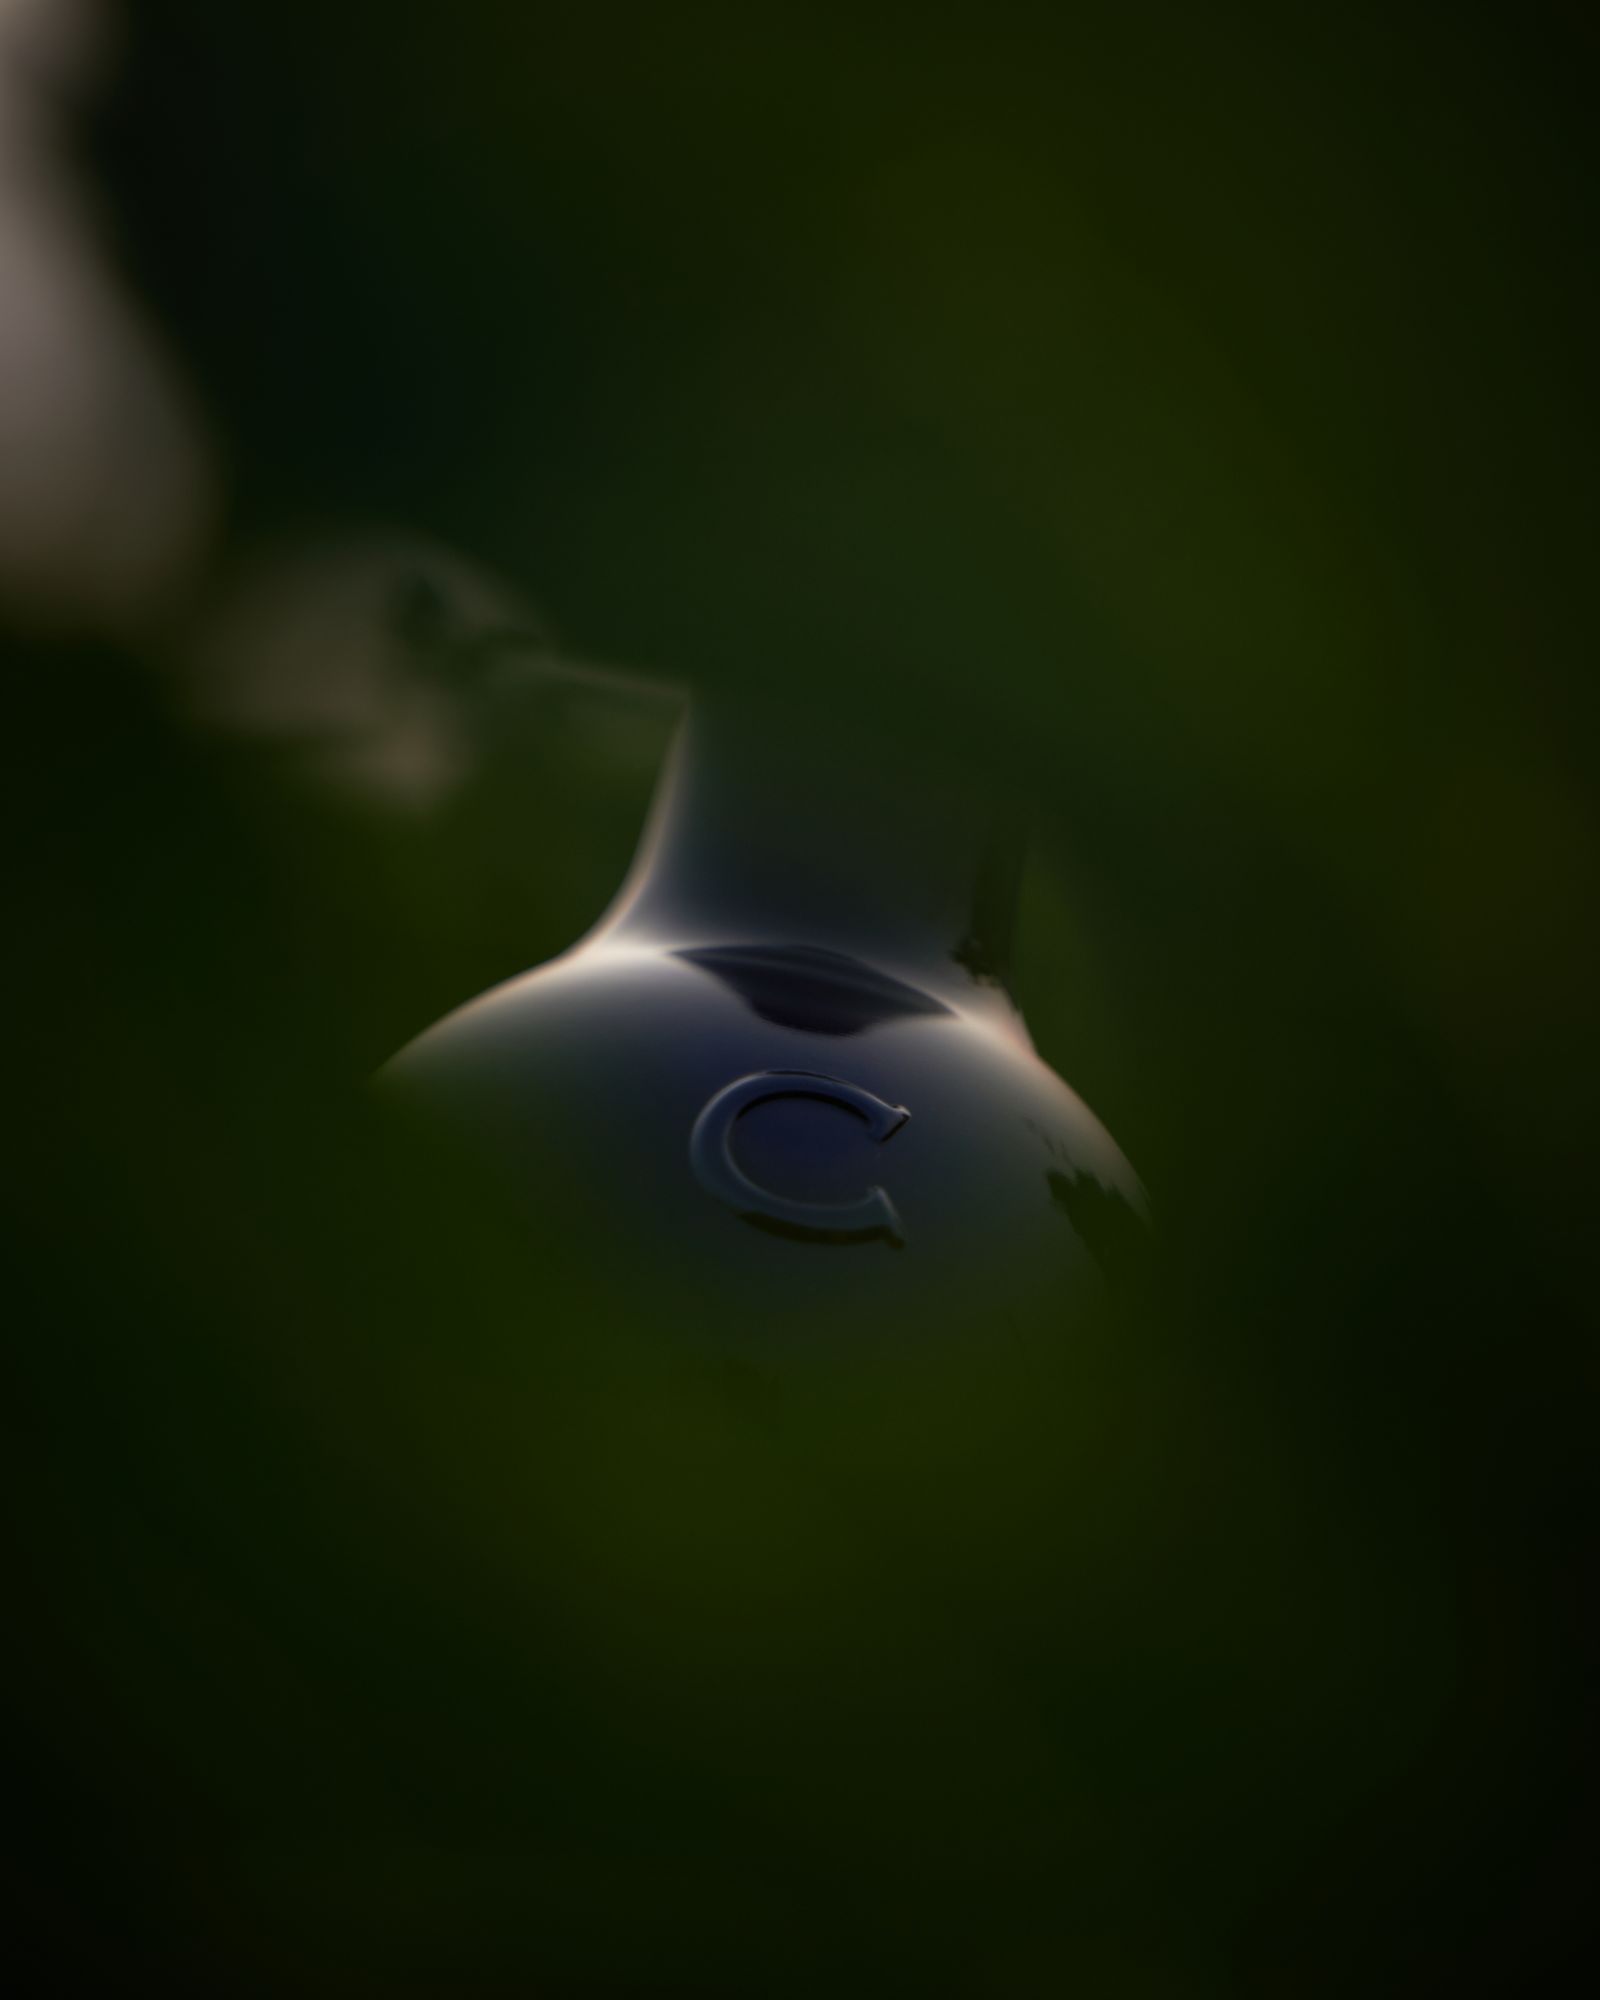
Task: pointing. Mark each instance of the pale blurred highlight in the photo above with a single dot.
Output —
(107, 493)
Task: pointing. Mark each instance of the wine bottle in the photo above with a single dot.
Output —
(785, 1070)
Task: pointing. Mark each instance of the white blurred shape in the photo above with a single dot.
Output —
(105, 489)
(391, 670)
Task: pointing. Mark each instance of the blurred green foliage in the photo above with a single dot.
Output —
(1191, 410)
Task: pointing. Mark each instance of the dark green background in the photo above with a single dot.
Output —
(1191, 409)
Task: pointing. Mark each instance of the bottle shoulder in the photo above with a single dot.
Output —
(703, 1089)
(612, 1011)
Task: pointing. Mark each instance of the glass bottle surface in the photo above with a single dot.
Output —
(786, 1064)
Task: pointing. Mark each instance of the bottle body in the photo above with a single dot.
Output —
(803, 1099)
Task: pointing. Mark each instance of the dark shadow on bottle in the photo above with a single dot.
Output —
(1111, 1229)
(806, 987)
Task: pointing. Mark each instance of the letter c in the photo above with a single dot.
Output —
(711, 1155)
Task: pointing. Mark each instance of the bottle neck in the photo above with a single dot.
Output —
(772, 830)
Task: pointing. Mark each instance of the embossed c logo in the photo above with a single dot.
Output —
(711, 1155)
